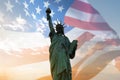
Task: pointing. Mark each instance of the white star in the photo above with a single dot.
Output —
(26, 12)
(38, 10)
(33, 16)
(16, 1)
(44, 19)
(46, 4)
(57, 1)
(9, 6)
(20, 20)
(32, 1)
(25, 5)
(60, 8)
(52, 13)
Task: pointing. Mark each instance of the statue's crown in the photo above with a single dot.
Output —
(59, 25)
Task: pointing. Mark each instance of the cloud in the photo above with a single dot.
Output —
(11, 40)
(41, 25)
(19, 24)
(16, 24)
(119, 35)
(20, 20)
(1, 18)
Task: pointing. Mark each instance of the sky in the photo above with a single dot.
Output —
(110, 10)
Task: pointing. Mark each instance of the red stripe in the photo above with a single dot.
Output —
(83, 38)
(86, 25)
(115, 42)
(101, 62)
(85, 7)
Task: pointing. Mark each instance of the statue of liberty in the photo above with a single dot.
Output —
(61, 51)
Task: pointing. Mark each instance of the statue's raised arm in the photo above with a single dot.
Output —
(52, 31)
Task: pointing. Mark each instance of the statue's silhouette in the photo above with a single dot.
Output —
(61, 50)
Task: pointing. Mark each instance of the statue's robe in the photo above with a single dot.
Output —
(59, 57)
(61, 50)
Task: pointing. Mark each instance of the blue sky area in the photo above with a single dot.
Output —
(110, 10)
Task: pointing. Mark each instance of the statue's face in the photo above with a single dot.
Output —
(59, 29)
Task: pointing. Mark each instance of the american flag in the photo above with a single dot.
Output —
(24, 41)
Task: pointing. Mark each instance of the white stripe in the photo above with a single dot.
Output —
(96, 55)
(110, 72)
(87, 17)
(99, 35)
(74, 33)
(86, 1)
